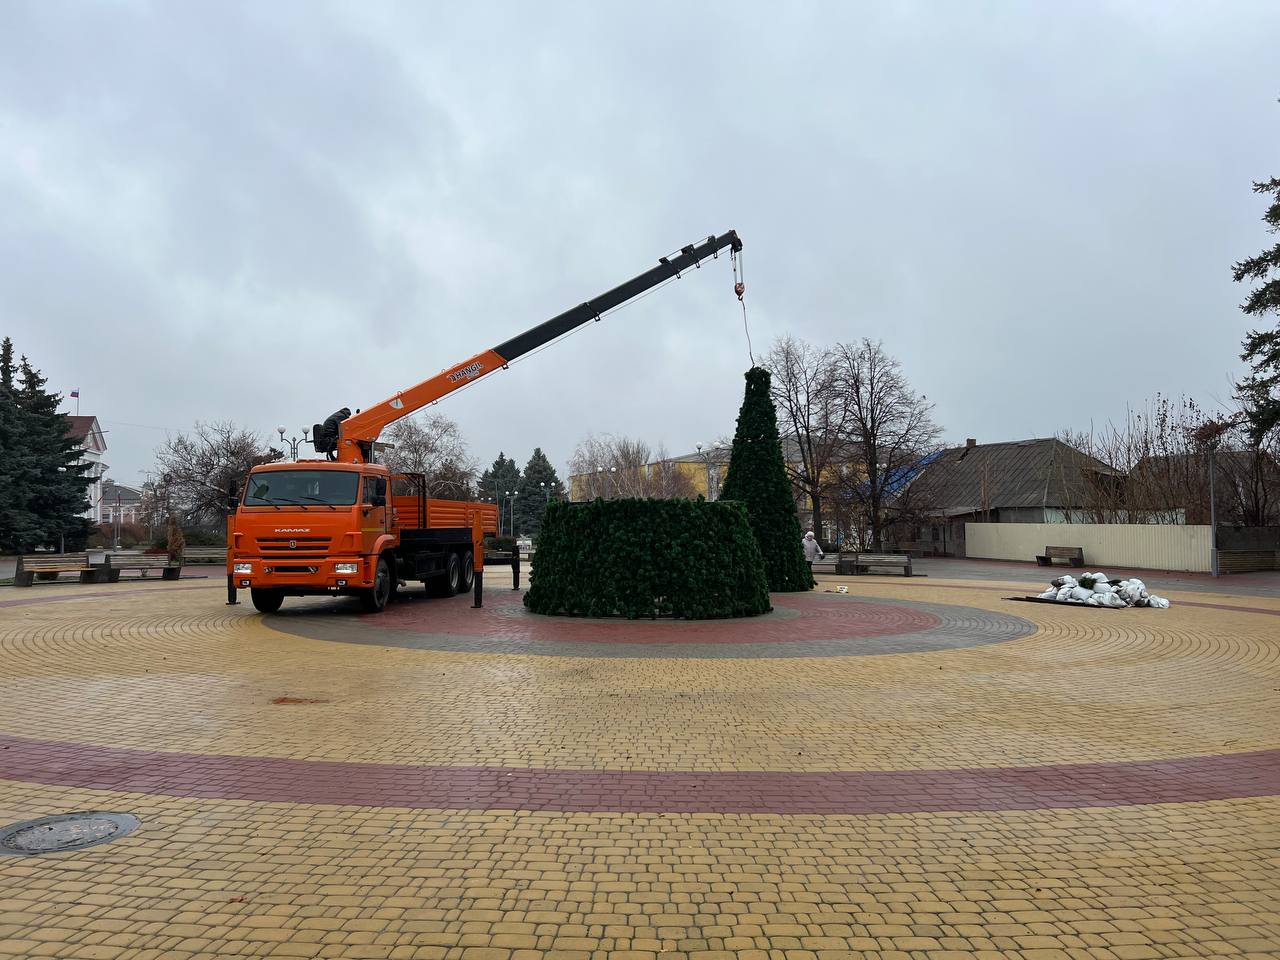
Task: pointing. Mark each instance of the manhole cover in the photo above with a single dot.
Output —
(67, 831)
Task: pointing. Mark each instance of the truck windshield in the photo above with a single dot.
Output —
(301, 487)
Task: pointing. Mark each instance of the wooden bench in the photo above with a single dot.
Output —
(863, 562)
(830, 563)
(47, 566)
(143, 563)
(1072, 555)
(211, 555)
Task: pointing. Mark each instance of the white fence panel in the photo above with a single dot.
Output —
(1147, 546)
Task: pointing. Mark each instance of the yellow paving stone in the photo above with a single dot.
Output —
(1194, 879)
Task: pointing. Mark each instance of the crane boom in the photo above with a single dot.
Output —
(358, 433)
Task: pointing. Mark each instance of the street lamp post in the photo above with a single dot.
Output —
(293, 442)
(599, 479)
(511, 511)
(706, 463)
(1213, 516)
(613, 472)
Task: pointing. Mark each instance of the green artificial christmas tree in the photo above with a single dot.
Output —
(758, 478)
(647, 558)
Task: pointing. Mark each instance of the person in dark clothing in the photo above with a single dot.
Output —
(328, 434)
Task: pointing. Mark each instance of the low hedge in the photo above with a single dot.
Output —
(648, 558)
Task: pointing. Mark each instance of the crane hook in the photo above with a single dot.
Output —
(739, 288)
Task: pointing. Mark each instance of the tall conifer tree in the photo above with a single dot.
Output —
(758, 478)
(534, 497)
(58, 481)
(495, 483)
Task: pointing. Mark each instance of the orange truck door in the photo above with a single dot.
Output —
(374, 511)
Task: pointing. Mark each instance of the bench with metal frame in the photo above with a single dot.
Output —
(47, 566)
(206, 555)
(863, 562)
(169, 569)
(1071, 555)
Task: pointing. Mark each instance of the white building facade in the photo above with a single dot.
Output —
(87, 432)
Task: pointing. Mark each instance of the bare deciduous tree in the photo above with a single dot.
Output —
(433, 446)
(889, 424)
(805, 390)
(614, 466)
(1162, 456)
(195, 469)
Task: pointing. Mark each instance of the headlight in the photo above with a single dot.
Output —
(346, 568)
(243, 568)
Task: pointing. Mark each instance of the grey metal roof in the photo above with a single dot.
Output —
(1043, 472)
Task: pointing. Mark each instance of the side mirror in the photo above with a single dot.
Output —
(378, 500)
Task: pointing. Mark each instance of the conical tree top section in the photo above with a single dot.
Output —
(758, 478)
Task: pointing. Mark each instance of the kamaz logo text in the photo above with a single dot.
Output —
(293, 529)
(470, 370)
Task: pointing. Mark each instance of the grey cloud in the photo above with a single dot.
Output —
(263, 211)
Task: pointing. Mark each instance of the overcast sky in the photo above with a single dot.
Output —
(265, 211)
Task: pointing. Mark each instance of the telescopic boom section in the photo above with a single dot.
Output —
(359, 432)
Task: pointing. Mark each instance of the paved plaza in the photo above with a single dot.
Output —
(918, 769)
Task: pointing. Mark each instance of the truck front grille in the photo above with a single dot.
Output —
(303, 547)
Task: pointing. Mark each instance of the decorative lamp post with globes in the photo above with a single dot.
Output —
(293, 442)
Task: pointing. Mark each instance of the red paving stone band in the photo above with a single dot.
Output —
(270, 780)
(801, 625)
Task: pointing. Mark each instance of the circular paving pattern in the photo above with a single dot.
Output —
(801, 625)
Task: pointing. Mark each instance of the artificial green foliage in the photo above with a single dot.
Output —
(758, 479)
(647, 558)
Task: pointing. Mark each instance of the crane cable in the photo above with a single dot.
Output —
(740, 288)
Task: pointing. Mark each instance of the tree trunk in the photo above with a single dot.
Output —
(873, 483)
(815, 502)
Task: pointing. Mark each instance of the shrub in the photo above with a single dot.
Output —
(647, 558)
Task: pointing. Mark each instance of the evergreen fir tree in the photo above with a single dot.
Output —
(534, 497)
(1259, 392)
(51, 483)
(501, 477)
(18, 525)
(758, 478)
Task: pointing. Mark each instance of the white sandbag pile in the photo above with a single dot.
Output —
(1098, 590)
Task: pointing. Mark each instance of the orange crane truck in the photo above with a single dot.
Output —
(345, 525)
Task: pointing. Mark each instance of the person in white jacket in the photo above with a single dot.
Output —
(812, 551)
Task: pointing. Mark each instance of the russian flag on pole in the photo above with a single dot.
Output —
(75, 393)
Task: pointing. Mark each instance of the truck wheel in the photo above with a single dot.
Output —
(266, 601)
(375, 599)
(452, 575)
(445, 583)
(468, 577)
